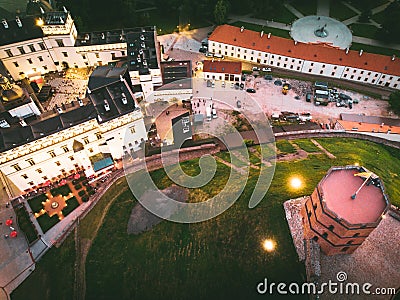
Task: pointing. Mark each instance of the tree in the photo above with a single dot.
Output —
(394, 102)
(390, 31)
(220, 11)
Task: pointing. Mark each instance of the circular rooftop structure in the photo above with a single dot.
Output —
(339, 188)
(321, 30)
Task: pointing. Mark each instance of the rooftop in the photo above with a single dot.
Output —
(340, 184)
(19, 29)
(231, 35)
(226, 67)
(176, 70)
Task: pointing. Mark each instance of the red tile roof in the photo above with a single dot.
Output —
(231, 35)
(226, 67)
(368, 127)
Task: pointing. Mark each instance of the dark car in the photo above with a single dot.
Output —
(308, 97)
(238, 104)
(251, 90)
(242, 86)
(203, 49)
(268, 77)
(236, 85)
(344, 96)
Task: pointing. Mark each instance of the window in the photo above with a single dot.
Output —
(352, 77)
(21, 50)
(16, 64)
(60, 43)
(98, 135)
(333, 74)
(132, 129)
(39, 171)
(44, 177)
(359, 78)
(312, 64)
(86, 140)
(24, 176)
(45, 67)
(65, 148)
(365, 79)
(9, 53)
(32, 48)
(345, 75)
(65, 54)
(42, 46)
(40, 58)
(356, 234)
(325, 235)
(298, 68)
(31, 183)
(322, 71)
(58, 163)
(52, 153)
(71, 158)
(91, 150)
(97, 55)
(29, 61)
(31, 161)
(331, 228)
(310, 70)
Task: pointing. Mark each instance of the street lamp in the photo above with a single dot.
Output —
(268, 245)
(295, 182)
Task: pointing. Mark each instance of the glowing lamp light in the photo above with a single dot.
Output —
(268, 245)
(356, 164)
(295, 183)
(39, 22)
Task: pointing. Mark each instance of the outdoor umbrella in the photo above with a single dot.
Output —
(63, 182)
(13, 234)
(77, 176)
(9, 222)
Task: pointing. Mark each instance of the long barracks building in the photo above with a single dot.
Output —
(316, 59)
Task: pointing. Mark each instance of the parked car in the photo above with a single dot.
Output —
(266, 70)
(256, 69)
(251, 90)
(208, 83)
(223, 84)
(237, 85)
(268, 77)
(232, 85)
(242, 86)
(209, 54)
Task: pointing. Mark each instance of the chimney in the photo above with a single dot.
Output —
(347, 50)
(59, 109)
(269, 35)
(241, 29)
(89, 91)
(121, 78)
(262, 33)
(393, 57)
(295, 42)
(5, 24)
(361, 52)
(79, 101)
(18, 20)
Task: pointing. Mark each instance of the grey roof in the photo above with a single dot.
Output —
(176, 70)
(100, 37)
(370, 119)
(17, 135)
(14, 33)
(105, 75)
(55, 17)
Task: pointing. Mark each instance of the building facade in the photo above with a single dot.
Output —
(269, 50)
(222, 70)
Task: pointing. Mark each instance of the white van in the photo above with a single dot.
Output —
(217, 55)
(214, 113)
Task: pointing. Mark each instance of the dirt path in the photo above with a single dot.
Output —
(330, 155)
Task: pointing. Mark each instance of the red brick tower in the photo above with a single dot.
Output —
(345, 207)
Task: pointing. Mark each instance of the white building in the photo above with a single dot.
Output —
(33, 46)
(92, 135)
(268, 50)
(222, 70)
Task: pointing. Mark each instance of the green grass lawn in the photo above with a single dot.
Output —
(259, 28)
(359, 4)
(46, 222)
(307, 8)
(218, 259)
(307, 146)
(379, 17)
(374, 49)
(36, 203)
(285, 147)
(340, 11)
(53, 277)
(63, 190)
(72, 203)
(25, 224)
(364, 30)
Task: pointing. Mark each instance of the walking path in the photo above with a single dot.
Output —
(323, 8)
(293, 10)
(330, 155)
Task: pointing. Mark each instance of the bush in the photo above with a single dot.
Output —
(62, 190)
(85, 198)
(78, 186)
(81, 193)
(394, 102)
